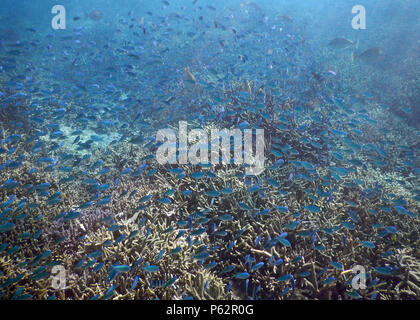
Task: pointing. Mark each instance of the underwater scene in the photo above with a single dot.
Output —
(209, 150)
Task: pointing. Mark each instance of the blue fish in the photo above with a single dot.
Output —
(242, 275)
(170, 282)
(160, 255)
(227, 269)
(150, 268)
(257, 266)
(121, 268)
(225, 217)
(164, 200)
(336, 265)
(368, 244)
(285, 278)
(313, 208)
(284, 242)
(175, 251)
(197, 175)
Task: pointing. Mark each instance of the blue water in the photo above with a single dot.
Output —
(91, 92)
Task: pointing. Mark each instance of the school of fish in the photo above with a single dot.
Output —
(82, 194)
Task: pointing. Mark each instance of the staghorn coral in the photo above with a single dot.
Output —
(88, 222)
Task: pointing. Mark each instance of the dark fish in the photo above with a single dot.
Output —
(370, 55)
(285, 18)
(76, 140)
(341, 43)
(169, 100)
(135, 56)
(317, 76)
(95, 15)
(243, 58)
